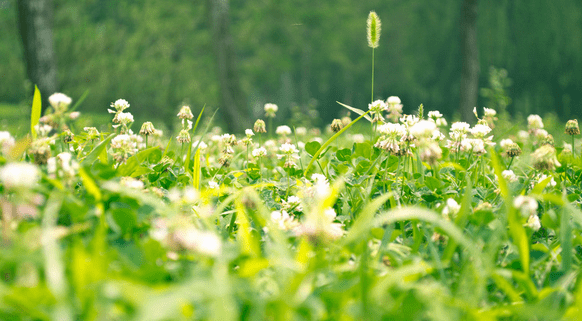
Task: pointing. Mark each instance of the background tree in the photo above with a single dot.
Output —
(470, 54)
(231, 95)
(35, 25)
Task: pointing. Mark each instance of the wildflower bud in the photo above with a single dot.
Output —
(547, 140)
(147, 129)
(512, 150)
(336, 125)
(270, 110)
(183, 137)
(346, 121)
(224, 161)
(572, 127)
(67, 136)
(545, 158)
(249, 133)
(374, 27)
(185, 113)
(259, 126)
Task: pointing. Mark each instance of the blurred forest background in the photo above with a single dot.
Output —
(303, 55)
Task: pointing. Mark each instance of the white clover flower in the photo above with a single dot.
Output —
(409, 120)
(249, 133)
(125, 118)
(213, 185)
(509, 175)
(393, 100)
(526, 205)
(283, 130)
(6, 142)
(190, 195)
(434, 114)
(321, 224)
(377, 107)
(185, 113)
(392, 129)
(292, 203)
(489, 112)
(131, 182)
(460, 127)
(119, 105)
(288, 149)
(301, 131)
(202, 146)
(283, 220)
(203, 242)
(43, 129)
(451, 208)
(358, 138)
(271, 109)
(533, 222)
(542, 177)
(74, 115)
(259, 152)
(535, 122)
(480, 130)
(19, 175)
(504, 143)
(59, 101)
(423, 129)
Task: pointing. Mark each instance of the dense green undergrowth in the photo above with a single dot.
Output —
(411, 219)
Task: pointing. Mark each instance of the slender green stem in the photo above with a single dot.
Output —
(510, 162)
(372, 91)
(573, 149)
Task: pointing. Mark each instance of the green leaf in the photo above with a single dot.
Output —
(312, 147)
(36, 109)
(94, 154)
(344, 155)
(196, 170)
(135, 161)
(357, 111)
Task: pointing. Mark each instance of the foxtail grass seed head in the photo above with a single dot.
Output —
(185, 113)
(147, 129)
(336, 125)
(270, 110)
(374, 27)
(572, 127)
(259, 126)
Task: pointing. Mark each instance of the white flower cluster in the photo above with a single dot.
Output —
(271, 109)
(451, 208)
(6, 142)
(60, 102)
(62, 166)
(283, 130)
(19, 175)
(123, 146)
(320, 225)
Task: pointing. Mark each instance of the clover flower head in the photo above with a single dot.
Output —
(59, 101)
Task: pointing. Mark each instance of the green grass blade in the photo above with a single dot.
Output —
(36, 109)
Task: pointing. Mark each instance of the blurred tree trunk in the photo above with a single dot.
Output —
(470, 56)
(232, 99)
(35, 26)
